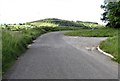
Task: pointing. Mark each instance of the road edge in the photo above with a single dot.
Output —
(107, 54)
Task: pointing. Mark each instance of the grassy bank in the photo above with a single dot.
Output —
(110, 45)
(15, 43)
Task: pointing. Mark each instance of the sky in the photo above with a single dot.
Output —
(21, 11)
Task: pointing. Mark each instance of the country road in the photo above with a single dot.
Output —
(55, 56)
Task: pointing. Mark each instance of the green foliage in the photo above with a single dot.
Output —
(111, 14)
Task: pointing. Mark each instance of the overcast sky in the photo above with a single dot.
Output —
(19, 11)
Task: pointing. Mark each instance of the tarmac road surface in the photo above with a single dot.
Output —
(55, 56)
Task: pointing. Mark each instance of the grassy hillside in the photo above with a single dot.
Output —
(57, 22)
(90, 24)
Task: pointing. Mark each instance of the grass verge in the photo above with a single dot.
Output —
(101, 32)
(111, 46)
(15, 43)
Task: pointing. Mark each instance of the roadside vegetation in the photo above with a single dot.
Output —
(14, 43)
(111, 46)
(100, 32)
(112, 16)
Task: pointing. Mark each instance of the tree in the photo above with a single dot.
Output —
(111, 14)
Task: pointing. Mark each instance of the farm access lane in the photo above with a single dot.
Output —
(55, 56)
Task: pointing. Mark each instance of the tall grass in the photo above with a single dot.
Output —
(15, 43)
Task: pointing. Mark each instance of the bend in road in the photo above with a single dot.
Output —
(55, 56)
